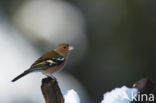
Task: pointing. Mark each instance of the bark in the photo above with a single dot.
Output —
(51, 91)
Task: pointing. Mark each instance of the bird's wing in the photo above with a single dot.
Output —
(47, 62)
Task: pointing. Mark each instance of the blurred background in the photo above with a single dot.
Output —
(114, 44)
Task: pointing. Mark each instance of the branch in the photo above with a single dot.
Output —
(51, 91)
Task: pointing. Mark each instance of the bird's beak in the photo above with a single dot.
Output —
(71, 48)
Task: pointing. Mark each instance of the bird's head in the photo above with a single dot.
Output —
(64, 49)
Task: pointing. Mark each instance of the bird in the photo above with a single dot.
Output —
(49, 62)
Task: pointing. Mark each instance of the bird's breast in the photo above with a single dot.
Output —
(53, 69)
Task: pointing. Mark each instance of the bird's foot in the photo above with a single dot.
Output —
(52, 77)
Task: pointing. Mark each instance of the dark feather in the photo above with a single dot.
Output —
(21, 75)
(47, 62)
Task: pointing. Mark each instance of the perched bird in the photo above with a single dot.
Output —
(50, 62)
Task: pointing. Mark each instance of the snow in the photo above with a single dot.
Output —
(120, 95)
(71, 97)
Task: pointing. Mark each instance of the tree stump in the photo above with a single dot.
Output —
(51, 91)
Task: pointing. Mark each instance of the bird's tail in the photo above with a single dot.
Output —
(21, 75)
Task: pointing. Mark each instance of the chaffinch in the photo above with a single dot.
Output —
(50, 62)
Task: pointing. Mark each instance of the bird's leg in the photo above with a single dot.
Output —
(51, 76)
